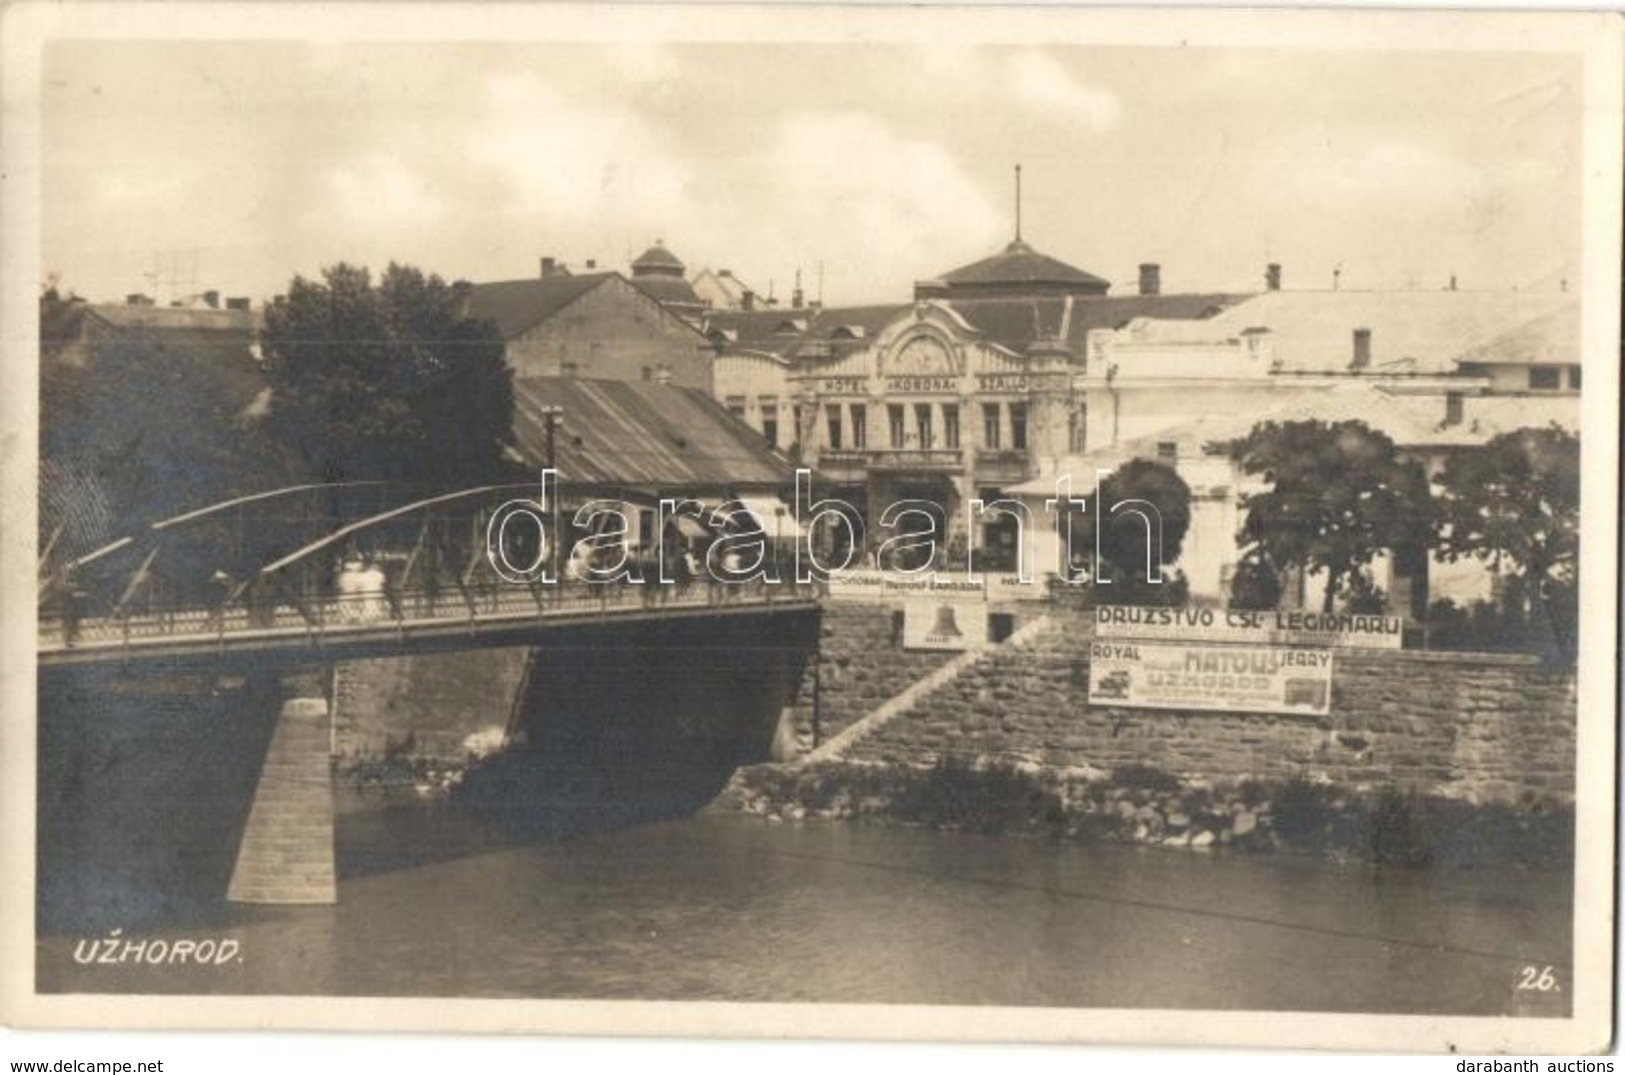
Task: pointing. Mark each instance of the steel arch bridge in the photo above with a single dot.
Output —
(351, 569)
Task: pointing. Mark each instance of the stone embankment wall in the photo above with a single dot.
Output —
(1479, 727)
(861, 663)
(434, 701)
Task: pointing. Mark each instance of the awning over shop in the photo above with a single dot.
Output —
(773, 515)
(690, 528)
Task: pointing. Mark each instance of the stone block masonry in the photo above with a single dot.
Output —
(1475, 727)
(286, 854)
(861, 665)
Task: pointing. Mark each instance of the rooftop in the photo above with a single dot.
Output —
(1019, 267)
(640, 433)
(517, 305)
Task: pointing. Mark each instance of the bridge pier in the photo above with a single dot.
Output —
(286, 853)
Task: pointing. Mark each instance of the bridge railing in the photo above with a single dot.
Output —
(395, 610)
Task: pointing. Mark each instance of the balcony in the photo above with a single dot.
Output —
(845, 461)
(1001, 464)
(937, 459)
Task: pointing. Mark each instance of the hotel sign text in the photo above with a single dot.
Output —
(845, 386)
(1002, 382)
(922, 384)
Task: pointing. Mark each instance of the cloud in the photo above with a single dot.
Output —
(1043, 84)
(880, 205)
(578, 162)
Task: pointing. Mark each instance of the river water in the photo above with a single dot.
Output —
(436, 900)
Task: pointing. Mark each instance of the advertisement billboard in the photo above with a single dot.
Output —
(1205, 676)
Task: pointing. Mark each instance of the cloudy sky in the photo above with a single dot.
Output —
(240, 164)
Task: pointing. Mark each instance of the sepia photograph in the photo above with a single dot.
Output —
(941, 523)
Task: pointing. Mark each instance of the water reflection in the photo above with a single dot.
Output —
(442, 900)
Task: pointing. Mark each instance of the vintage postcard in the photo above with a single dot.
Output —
(954, 523)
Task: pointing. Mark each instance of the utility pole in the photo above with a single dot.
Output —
(550, 421)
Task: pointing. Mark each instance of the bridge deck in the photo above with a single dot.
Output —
(384, 622)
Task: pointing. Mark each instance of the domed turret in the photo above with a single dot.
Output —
(1015, 271)
(658, 273)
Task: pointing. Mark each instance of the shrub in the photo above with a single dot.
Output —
(1149, 777)
(1399, 828)
(991, 799)
(1302, 812)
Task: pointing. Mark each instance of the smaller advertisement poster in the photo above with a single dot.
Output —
(1284, 627)
(944, 622)
(1207, 676)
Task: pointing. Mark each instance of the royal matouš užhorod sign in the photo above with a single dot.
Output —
(1228, 677)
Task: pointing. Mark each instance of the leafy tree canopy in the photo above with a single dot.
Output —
(1515, 503)
(388, 381)
(1142, 512)
(1339, 494)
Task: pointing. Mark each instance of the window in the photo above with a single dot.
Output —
(922, 423)
(950, 425)
(1544, 378)
(1078, 432)
(1574, 377)
(1452, 408)
(1167, 451)
(860, 425)
(770, 427)
(736, 406)
(1018, 426)
(894, 415)
(568, 369)
(990, 426)
(834, 412)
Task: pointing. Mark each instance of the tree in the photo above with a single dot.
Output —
(1339, 495)
(155, 420)
(1134, 541)
(1256, 585)
(390, 382)
(1515, 504)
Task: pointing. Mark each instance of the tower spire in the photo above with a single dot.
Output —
(1018, 203)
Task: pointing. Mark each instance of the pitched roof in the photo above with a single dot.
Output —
(762, 330)
(1019, 265)
(517, 305)
(643, 434)
(1553, 337)
(1412, 421)
(668, 290)
(1010, 322)
(125, 315)
(1313, 330)
(1015, 323)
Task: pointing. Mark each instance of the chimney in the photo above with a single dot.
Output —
(211, 299)
(237, 303)
(1272, 276)
(549, 267)
(747, 300)
(1362, 349)
(1150, 278)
